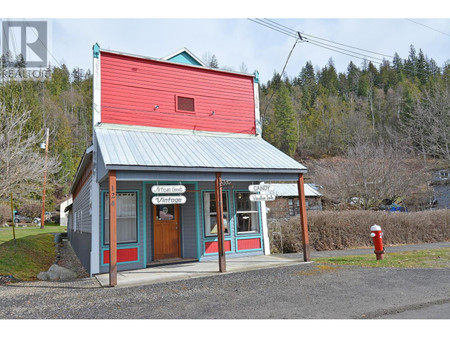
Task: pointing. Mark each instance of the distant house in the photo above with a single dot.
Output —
(441, 189)
(287, 202)
(62, 213)
(175, 144)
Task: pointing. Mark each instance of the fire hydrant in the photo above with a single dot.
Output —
(377, 236)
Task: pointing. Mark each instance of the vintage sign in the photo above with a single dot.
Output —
(168, 200)
(168, 189)
(262, 188)
(262, 197)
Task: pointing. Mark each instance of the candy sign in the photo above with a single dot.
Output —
(263, 188)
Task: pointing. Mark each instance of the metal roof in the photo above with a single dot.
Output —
(292, 190)
(138, 149)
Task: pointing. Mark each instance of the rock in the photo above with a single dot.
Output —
(58, 272)
(42, 276)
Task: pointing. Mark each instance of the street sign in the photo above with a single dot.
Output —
(168, 200)
(262, 188)
(168, 189)
(262, 197)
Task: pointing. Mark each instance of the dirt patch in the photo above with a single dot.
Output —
(67, 258)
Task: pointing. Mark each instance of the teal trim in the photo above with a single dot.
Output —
(184, 58)
(104, 246)
(256, 234)
(144, 223)
(96, 49)
(256, 77)
(197, 220)
(214, 238)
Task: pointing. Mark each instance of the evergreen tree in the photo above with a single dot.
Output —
(286, 121)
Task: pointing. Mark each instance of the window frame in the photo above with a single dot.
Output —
(177, 108)
(209, 236)
(105, 241)
(256, 212)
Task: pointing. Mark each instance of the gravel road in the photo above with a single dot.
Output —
(298, 291)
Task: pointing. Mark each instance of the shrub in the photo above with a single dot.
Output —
(336, 230)
(5, 213)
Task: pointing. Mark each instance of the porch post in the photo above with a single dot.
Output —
(303, 220)
(112, 229)
(219, 217)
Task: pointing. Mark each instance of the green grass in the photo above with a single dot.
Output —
(6, 234)
(33, 252)
(437, 258)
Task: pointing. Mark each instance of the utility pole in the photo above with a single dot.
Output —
(45, 179)
(12, 218)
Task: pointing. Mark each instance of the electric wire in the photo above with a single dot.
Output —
(418, 23)
(337, 43)
(318, 43)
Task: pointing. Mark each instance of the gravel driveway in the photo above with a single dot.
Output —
(297, 291)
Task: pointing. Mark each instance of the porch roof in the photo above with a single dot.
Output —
(151, 150)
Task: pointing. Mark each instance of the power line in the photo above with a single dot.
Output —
(337, 43)
(318, 43)
(428, 27)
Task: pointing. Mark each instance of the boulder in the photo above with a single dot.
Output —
(42, 276)
(57, 272)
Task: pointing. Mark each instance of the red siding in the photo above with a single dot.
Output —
(211, 247)
(123, 255)
(248, 244)
(131, 87)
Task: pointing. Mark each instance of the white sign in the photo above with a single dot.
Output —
(168, 189)
(262, 197)
(168, 200)
(264, 188)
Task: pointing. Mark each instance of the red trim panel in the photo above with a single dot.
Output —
(123, 255)
(212, 247)
(249, 244)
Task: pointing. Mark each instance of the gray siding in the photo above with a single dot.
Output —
(80, 238)
(189, 224)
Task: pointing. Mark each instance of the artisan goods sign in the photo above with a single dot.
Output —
(168, 189)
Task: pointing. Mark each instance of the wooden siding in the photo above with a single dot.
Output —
(131, 88)
(84, 178)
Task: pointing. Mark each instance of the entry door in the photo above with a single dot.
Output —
(166, 231)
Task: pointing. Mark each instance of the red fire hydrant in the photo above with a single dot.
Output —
(377, 236)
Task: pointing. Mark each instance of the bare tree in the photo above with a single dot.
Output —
(21, 162)
(369, 174)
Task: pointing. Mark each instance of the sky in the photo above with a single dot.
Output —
(225, 30)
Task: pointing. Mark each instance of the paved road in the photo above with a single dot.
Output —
(298, 291)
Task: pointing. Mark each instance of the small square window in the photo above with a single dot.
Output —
(184, 103)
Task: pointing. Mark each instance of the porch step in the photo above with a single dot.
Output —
(171, 261)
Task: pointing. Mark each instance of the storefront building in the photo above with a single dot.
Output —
(175, 146)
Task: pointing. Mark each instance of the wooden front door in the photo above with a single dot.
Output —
(166, 231)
